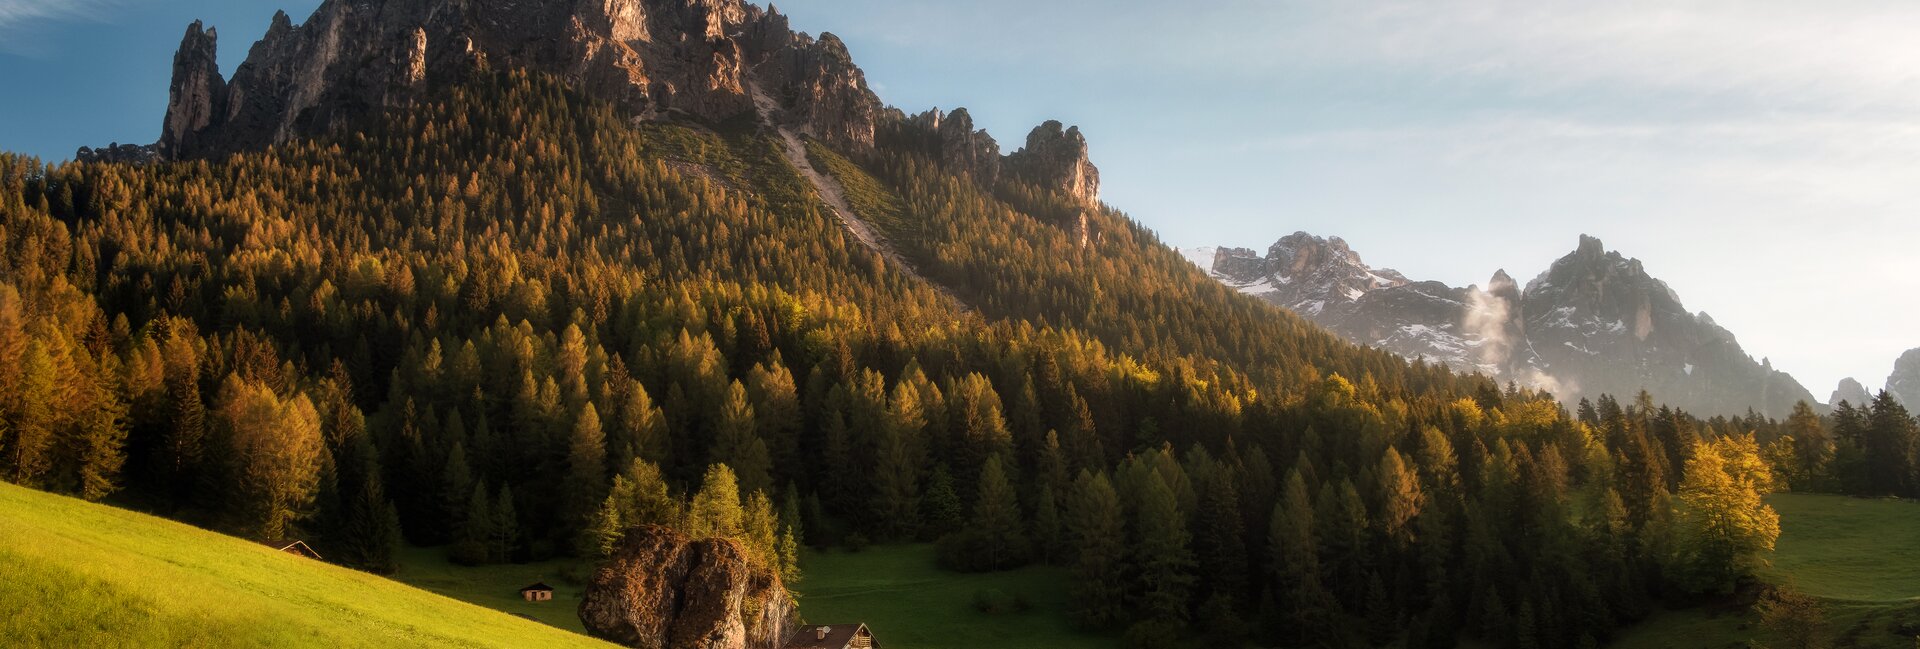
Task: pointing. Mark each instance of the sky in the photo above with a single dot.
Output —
(1761, 156)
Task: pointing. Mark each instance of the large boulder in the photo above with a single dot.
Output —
(662, 590)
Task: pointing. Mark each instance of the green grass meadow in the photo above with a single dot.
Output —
(1860, 556)
(498, 587)
(76, 574)
(79, 574)
(910, 602)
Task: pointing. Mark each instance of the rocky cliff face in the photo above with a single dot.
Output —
(1904, 382)
(699, 58)
(951, 139)
(1056, 158)
(1595, 322)
(1850, 391)
(661, 590)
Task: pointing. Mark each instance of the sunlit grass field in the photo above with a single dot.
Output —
(76, 574)
(1860, 556)
(908, 601)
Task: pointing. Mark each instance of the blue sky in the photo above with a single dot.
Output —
(1762, 156)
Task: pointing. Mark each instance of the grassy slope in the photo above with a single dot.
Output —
(1861, 556)
(910, 602)
(79, 574)
(498, 587)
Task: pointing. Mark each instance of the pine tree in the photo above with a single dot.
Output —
(1220, 540)
(369, 532)
(1094, 527)
(760, 530)
(504, 535)
(715, 511)
(994, 538)
(940, 508)
(29, 433)
(272, 453)
(1400, 500)
(473, 542)
(100, 447)
(586, 482)
(642, 432)
(738, 445)
(1812, 446)
(896, 497)
(1047, 529)
(1892, 442)
(1161, 554)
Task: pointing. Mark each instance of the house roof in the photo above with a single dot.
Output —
(540, 585)
(300, 548)
(838, 636)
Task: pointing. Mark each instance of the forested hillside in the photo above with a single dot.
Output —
(512, 321)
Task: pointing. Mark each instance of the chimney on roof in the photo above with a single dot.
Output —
(820, 633)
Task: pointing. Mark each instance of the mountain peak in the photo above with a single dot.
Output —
(700, 59)
(1591, 247)
(1904, 382)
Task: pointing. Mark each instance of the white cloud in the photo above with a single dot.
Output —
(17, 17)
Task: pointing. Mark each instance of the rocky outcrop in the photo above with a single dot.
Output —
(198, 96)
(952, 140)
(1851, 392)
(661, 590)
(1055, 157)
(656, 58)
(1904, 382)
(825, 93)
(1595, 322)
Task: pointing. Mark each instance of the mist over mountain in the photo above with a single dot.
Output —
(1595, 322)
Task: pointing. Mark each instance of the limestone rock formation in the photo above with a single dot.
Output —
(199, 94)
(661, 590)
(952, 139)
(697, 58)
(1904, 382)
(1595, 322)
(1850, 391)
(1056, 158)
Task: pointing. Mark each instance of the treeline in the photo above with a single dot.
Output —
(510, 324)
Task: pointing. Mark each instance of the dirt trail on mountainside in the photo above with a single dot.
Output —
(835, 197)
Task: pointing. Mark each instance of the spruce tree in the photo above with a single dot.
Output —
(473, 542)
(1162, 556)
(715, 510)
(941, 512)
(586, 480)
(1095, 528)
(738, 445)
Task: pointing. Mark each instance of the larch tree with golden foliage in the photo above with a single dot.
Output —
(1725, 530)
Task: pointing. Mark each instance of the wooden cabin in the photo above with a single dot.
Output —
(300, 549)
(833, 636)
(538, 592)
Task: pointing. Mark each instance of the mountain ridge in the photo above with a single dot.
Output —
(1593, 322)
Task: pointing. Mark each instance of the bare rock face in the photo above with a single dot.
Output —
(1057, 159)
(1850, 391)
(199, 93)
(952, 139)
(825, 93)
(661, 590)
(697, 58)
(1904, 382)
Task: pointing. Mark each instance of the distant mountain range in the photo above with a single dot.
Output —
(1594, 322)
(1903, 384)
